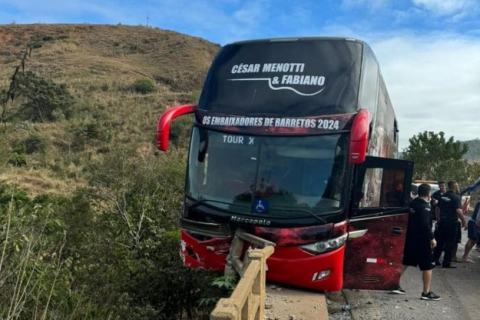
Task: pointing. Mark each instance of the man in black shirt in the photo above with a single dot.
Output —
(448, 211)
(434, 202)
(436, 197)
(419, 241)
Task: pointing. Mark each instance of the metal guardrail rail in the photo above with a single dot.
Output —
(247, 301)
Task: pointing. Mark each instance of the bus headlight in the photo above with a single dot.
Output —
(325, 246)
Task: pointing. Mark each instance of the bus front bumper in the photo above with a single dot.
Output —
(288, 265)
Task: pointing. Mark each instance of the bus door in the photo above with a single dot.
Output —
(377, 224)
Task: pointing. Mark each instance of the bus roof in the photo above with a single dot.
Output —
(293, 39)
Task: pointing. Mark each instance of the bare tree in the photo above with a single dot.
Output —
(10, 94)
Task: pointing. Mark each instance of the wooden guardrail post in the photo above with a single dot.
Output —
(258, 288)
(247, 301)
(226, 309)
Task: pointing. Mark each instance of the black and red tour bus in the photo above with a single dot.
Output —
(295, 141)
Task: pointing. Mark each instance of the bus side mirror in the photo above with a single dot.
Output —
(163, 128)
(359, 137)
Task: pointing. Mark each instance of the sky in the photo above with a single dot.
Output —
(428, 50)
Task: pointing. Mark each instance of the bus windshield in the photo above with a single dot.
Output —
(268, 175)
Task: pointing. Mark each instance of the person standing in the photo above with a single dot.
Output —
(448, 211)
(472, 233)
(419, 242)
(434, 202)
(436, 197)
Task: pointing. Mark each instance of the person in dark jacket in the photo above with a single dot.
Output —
(434, 202)
(436, 197)
(448, 211)
(420, 242)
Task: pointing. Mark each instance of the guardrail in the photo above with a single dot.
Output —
(247, 301)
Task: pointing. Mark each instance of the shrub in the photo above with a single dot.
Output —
(36, 45)
(143, 86)
(17, 157)
(12, 193)
(42, 98)
(34, 143)
(132, 48)
(87, 131)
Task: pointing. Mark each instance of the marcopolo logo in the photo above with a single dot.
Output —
(260, 222)
(291, 75)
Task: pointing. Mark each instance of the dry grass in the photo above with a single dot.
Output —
(39, 181)
(83, 51)
(98, 64)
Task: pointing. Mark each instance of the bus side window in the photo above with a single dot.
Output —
(382, 188)
(368, 93)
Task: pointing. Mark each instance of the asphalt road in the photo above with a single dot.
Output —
(459, 289)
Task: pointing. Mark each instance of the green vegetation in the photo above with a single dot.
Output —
(88, 209)
(106, 252)
(438, 158)
(43, 100)
(143, 86)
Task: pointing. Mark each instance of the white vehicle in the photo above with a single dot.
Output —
(434, 186)
(417, 183)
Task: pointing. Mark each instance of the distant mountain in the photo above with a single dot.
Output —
(473, 153)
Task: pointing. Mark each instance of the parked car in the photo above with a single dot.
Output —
(417, 183)
(434, 186)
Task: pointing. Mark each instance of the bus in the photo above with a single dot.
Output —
(295, 141)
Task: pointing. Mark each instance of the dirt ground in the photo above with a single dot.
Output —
(459, 289)
(285, 303)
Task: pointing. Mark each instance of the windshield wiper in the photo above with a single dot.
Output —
(201, 201)
(322, 220)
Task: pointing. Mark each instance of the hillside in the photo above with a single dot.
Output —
(473, 153)
(98, 65)
(84, 54)
(88, 207)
